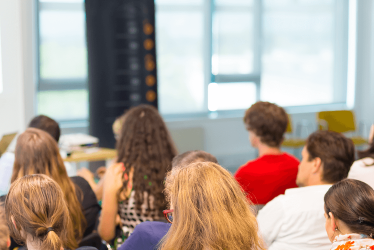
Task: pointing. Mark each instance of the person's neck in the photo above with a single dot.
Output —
(266, 150)
(32, 244)
(317, 182)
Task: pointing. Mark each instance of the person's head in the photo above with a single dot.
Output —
(46, 124)
(36, 213)
(210, 210)
(145, 146)
(326, 158)
(37, 153)
(266, 124)
(4, 231)
(192, 156)
(349, 209)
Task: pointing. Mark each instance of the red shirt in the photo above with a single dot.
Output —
(267, 177)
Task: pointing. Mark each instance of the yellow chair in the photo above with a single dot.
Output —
(292, 142)
(341, 121)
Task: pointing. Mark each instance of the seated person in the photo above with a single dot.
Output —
(208, 210)
(295, 220)
(7, 159)
(349, 215)
(37, 153)
(4, 231)
(133, 187)
(147, 235)
(273, 171)
(363, 169)
(41, 220)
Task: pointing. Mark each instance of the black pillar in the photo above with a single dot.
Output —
(121, 61)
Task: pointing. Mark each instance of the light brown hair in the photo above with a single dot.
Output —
(352, 202)
(37, 153)
(192, 156)
(146, 145)
(4, 230)
(337, 154)
(210, 211)
(34, 206)
(268, 121)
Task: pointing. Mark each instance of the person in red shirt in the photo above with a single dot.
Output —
(273, 171)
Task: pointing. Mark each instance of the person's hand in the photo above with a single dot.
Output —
(113, 177)
(371, 135)
(101, 172)
(86, 174)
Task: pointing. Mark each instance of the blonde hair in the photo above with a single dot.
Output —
(34, 206)
(37, 153)
(4, 230)
(210, 211)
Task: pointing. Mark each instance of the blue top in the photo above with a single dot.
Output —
(146, 236)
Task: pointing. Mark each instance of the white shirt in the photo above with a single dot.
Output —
(363, 170)
(295, 220)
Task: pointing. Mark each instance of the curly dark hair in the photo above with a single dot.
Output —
(268, 121)
(146, 145)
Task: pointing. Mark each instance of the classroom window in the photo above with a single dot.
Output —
(212, 55)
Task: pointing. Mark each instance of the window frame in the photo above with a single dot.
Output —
(254, 77)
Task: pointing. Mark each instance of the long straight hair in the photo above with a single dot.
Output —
(37, 153)
(35, 207)
(352, 201)
(210, 211)
(146, 145)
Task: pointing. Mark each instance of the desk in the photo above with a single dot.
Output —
(102, 154)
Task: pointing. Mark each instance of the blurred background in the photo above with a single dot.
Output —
(215, 58)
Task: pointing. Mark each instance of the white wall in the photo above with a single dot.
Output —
(17, 98)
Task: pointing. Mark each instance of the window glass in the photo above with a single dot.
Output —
(63, 51)
(179, 36)
(230, 96)
(233, 37)
(298, 52)
(64, 104)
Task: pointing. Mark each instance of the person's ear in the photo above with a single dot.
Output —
(14, 223)
(8, 242)
(317, 165)
(333, 222)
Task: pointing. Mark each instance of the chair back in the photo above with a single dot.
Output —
(340, 121)
(289, 125)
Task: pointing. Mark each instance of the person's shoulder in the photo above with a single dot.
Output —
(80, 181)
(364, 162)
(86, 248)
(290, 158)
(149, 227)
(249, 164)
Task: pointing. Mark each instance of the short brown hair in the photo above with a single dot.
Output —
(337, 154)
(352, 202)
(268, 121)
(4, 230)
(46, 124)
(193, 156)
